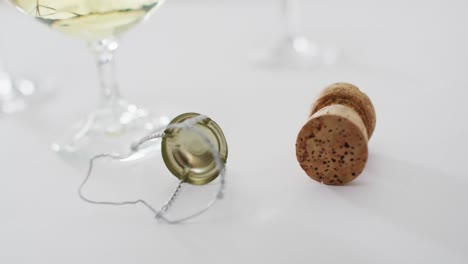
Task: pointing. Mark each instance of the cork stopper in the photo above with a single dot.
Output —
(332, 146)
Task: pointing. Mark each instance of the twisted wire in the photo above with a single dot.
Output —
(160, 214)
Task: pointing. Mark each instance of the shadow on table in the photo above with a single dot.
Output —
(421, 201)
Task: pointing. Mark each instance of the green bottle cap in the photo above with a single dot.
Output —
(187, 154)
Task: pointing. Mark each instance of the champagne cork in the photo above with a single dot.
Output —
(332, 146)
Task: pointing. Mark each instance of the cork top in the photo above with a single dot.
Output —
(348, 95)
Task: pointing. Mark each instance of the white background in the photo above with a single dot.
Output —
(409, 206)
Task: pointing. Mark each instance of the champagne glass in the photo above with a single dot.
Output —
(294, 49)
(116, 122)
(16, 93)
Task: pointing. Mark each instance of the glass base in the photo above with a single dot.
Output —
(110, 129)
(297, 52)
(15, 94)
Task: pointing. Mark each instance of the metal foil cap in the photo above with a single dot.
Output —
(187, 152)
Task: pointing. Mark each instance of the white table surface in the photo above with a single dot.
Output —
(409, 206)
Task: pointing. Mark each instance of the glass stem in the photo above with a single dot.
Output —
(104, 51)
(2, 69)
(5, 81)
(291, 17)
(2, 59)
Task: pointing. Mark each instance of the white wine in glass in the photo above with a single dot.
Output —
(89, 19)
(116, 123)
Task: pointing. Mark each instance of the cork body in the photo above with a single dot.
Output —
(332, 146)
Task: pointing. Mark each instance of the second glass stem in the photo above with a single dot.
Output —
(291, 17)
